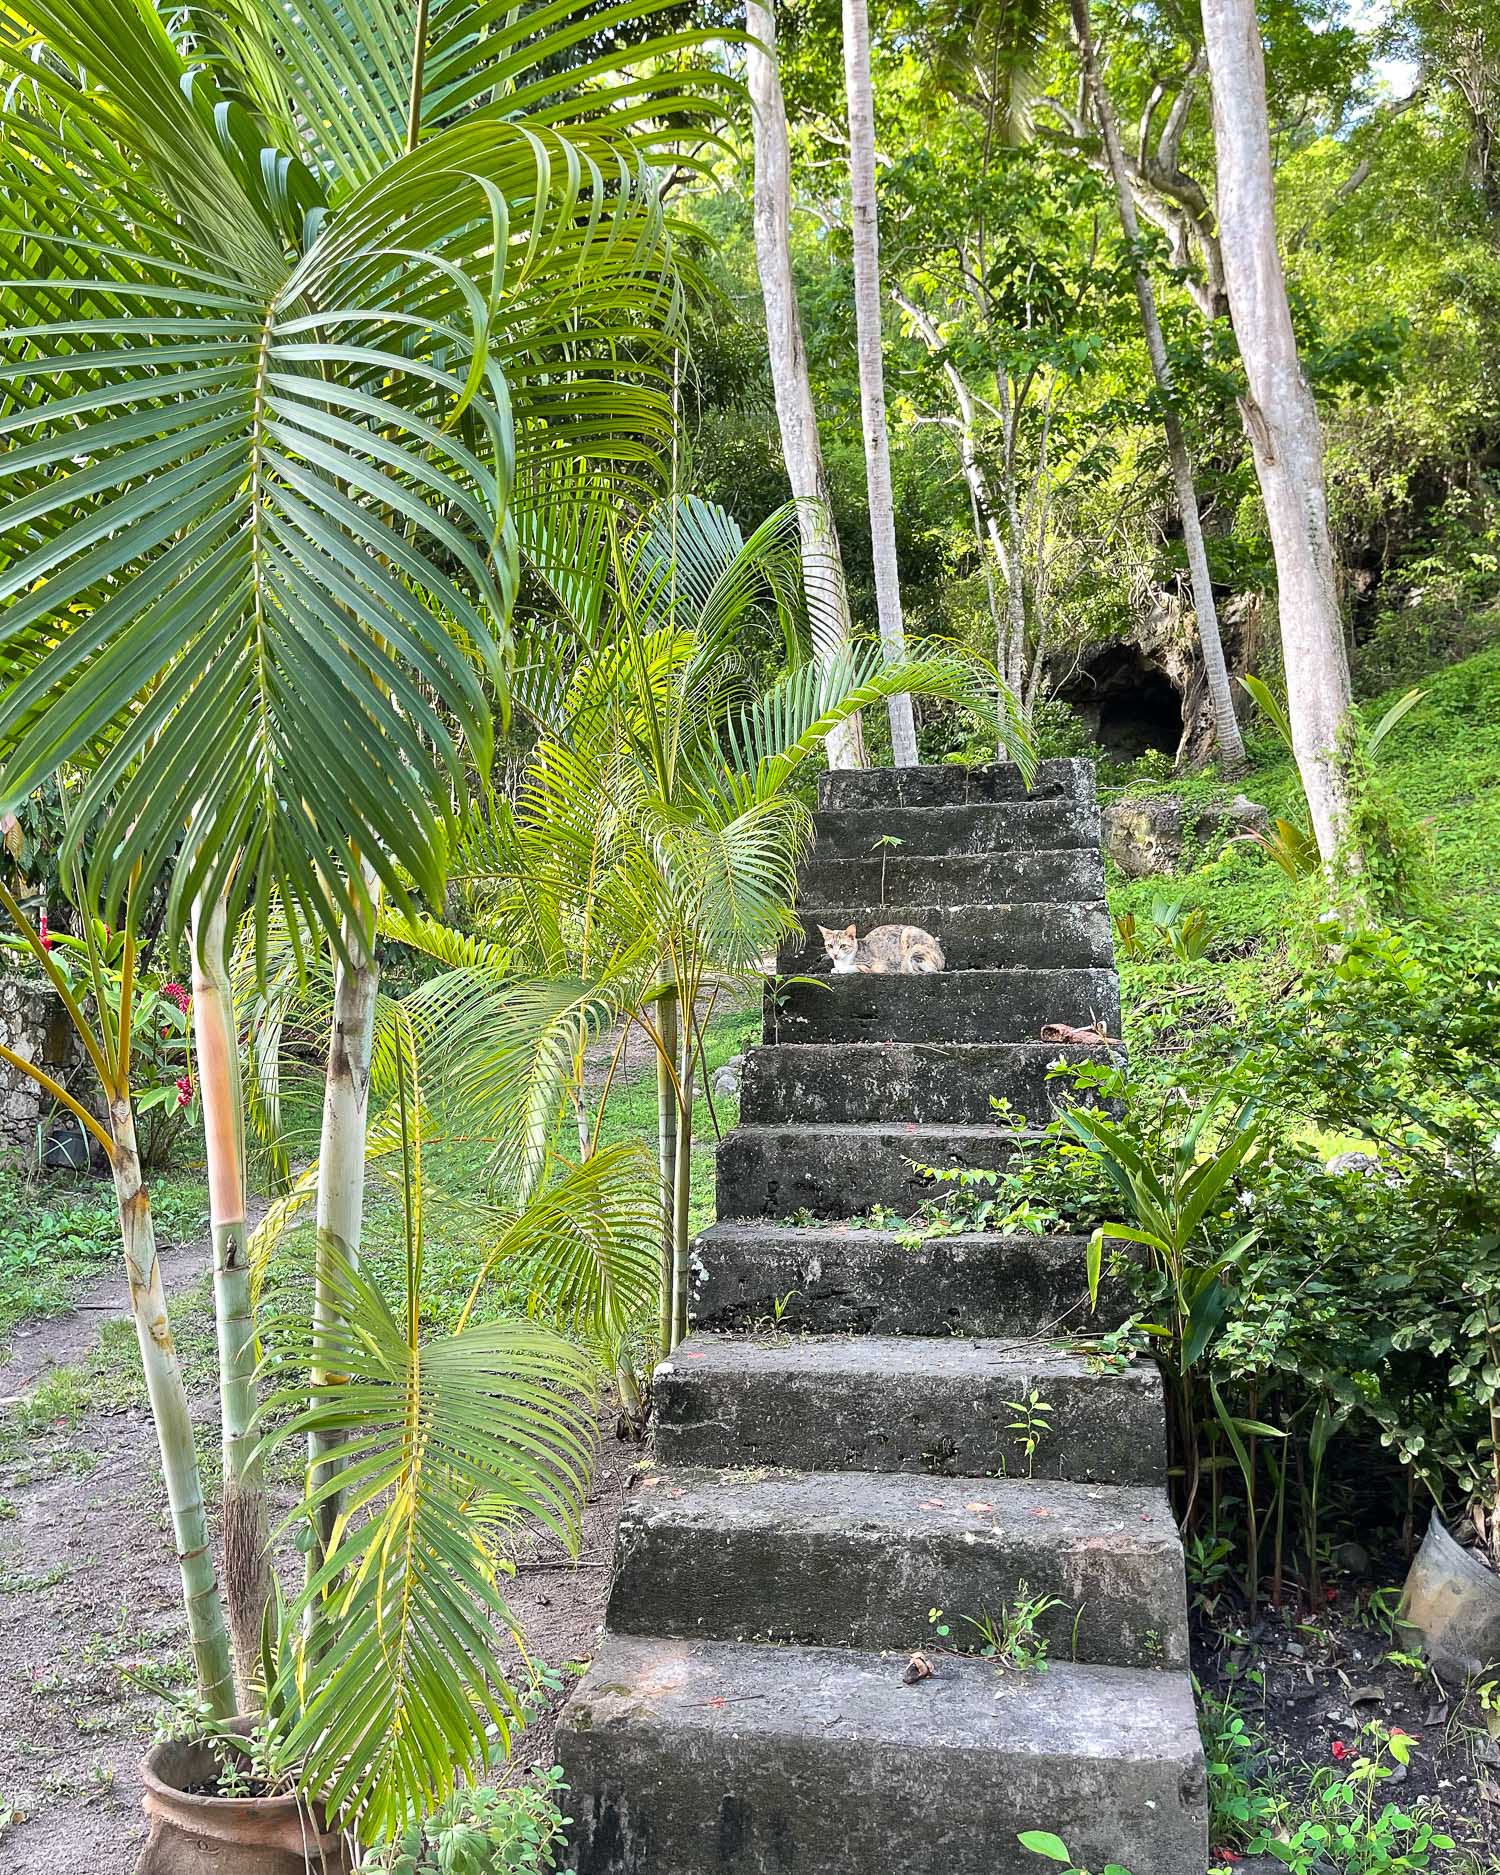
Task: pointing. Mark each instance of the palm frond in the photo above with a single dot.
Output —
(433, 1441)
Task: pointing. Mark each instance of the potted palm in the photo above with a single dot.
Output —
(329, 293)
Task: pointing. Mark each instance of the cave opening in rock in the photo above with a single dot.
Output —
(1129, 704)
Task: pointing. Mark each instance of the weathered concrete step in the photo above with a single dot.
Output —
(874, 1282)
(844, 1171)
(859, 1559)
(933, 1083)
(994, 827)
(943, 785)
(682, 1757)
(948, 1407)
(973, 937)
(1025, 875)
(949, 1006)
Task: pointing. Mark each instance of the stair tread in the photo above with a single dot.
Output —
(1045, 1512)
(895, 1129)
(920, 1357)
(741, 1688)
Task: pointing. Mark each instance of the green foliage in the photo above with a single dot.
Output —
(1343, 1822)
(514, 1831)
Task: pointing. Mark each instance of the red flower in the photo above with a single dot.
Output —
(1340, 1750)
(178, 995)
(184, 1090)
(41, 931)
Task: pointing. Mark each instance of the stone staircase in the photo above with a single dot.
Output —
(838, 1445)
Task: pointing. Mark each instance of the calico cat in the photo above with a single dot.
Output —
(898, 950)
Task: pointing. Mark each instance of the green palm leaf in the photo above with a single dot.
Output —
(436, 1443)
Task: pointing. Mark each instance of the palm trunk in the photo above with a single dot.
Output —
(208, 1635)
(1221, 698)
(666, 1125)
(823, 568)
(682, 1188)
(341, 1179)
(871, 354)
(1280, 417)
(246, 1524)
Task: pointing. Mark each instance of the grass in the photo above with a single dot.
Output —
(1441, 764)
(58, 1233)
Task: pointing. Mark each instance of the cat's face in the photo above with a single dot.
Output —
(840, 946)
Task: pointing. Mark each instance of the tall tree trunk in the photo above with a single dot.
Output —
(1221, 698)
(666, 1133)
(1280, 416)
(341, 1175)
(827, 593)
(208, 1636)
(682, 1186)
(246, 1523)
(871, 356)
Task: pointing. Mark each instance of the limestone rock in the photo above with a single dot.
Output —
(1146, 837)
(725, 1080)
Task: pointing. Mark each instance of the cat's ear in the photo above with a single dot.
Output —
(850, 933)
(827, 934)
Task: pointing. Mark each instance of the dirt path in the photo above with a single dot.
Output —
(88, 1587)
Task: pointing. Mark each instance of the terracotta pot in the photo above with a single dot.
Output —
(193, 1835)
(1452, 1604)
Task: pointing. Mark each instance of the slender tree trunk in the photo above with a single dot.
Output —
(871, 352)
(1221, 698)
(246, 1523)
(682, 1187)
(341, 1178)
(208, 1635)
(823, 568)
(1280, 416)
(666, 1128)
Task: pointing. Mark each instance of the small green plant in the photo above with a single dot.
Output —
(885, 845)
(1346, 1827)
(1032, 1423)
(1042, 1842)
(1010, 1638)
(517, 1831)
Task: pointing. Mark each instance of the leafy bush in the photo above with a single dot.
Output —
(515, 1831)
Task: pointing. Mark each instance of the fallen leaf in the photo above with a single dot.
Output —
(917, 1668)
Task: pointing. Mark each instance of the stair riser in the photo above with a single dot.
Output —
(780, 1172)
(1019, 877)
(870, 1283)
(973, 937)
(1121, 1596)
(676, 1772)
(943, 1426)
(953, 831)
(1071, 779)
(952, 1084)
(952, 1006)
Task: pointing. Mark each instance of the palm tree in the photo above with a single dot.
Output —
(290, 300)
(652, 850)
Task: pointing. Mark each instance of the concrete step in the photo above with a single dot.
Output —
(891, 1403)
(973, 937)
(684, 1756)
(1024, 875)
(875, 1282)
(950, 1006)
(933, 1083)
(944, 785)
(993, 827)
(844, 1171)
(859, 1559)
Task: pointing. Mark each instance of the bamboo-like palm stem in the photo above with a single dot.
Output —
(341, 1181)
(667, 1113)
(208, 1635)
(246, 1523)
